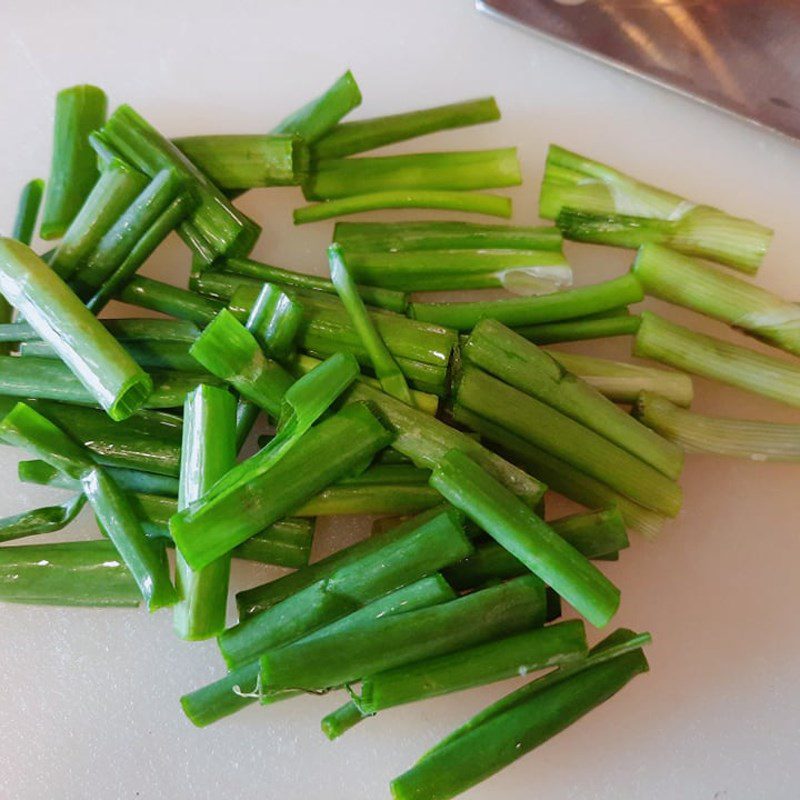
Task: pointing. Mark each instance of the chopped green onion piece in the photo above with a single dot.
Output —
(372, 296)
(599, 326)
(386, 369)
(315, 119)
(513, 525)
(66, 574)
(718, 360)
(96, 359)
(520, 654)
(275, 321)
(614, 208)
(595, 535)
(157, 296)
(686, 282)
(697, 433)
(520, 271)
(146, 561)
(349, 138)
(73, 170)
(533, 310)
(521, 364)
(568, 440)
(622, 382)
(259, 598)
(456, 171)
(560, 475)
(30, 199)
(208, 452)
(493, 205)
(215, 227)
(401, 237)
(40, 520)
(247, 161)
(117, 188)
(228, 350)
(334, 448)
(506, 730)
(388, 498)
(328, 661)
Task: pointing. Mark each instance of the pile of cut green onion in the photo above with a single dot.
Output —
(445, 422)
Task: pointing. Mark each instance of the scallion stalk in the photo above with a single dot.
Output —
(108, 373)
(386, 498)
(622, 382)
(455, 171)
(594, 326)
(349, 138)
(30, 199)
(504, 354)
(520, 311)
(493, 205)
(73, 170)
(682, 280)
(41, 520)
(158, 296)
(713, 358)
(66, 574)
(247, 161)
(597, 203)
(753, 439)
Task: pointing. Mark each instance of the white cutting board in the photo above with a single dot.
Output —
(89, 699)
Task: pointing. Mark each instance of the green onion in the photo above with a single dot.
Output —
(157, 296)
(372, 296)
(215, 227)
(167, 221)
(376, 645)
(126, 231)
(96, 359)
(240, 687)
(130, 480)
(30, 199)
(41, 520)
(520, 271)
(568, 440)
(124, 330)
(421, 550)
(519, 363)
(48, 379)
(515, 725)
(73, 171)
(493, 205)
(505, 658)
(596, 203)
(118, 186)
(247, 161)
(513, 525)
(326, 453)
(228, 350)
(384, 365)
(259, 598)
(712, 358)
(317, 118)
(520, 311)
(753, 439)
(682, 280)
(287, 543)
(27, 428)
(594, 326)
(560, 475)
(596, 535)
(274, 321)
(426, 440)
(349, 138)
(457, 171)
(401, 237)
(66, 574)
(208, 452)
(622, 382)
(388, 498)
